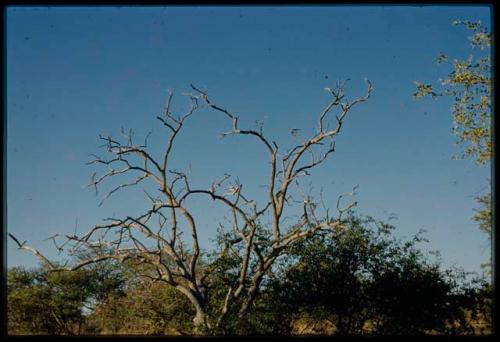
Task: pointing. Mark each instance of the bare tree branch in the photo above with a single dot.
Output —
(155, 237)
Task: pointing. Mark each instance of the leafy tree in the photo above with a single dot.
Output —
(44, 302)
(469, 85)
(356, 281)
(364, 281)
(483, 214)
(151, 308)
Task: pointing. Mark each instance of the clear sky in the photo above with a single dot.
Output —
(75, 72)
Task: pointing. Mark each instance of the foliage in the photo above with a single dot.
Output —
(152, 308)
(44, 302)
(358, 280)
(366, 282)
(483, 214)
(469, 84)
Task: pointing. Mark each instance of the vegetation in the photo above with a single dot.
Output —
(364, 281)
(44, 302)
(164, 238)
(323, 273)
(358, 281)
(469, 85)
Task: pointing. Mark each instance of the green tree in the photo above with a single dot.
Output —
(469, 85)
(355, 281)
(148, 308)
(41, 303)
(44, 302)
(364, 281)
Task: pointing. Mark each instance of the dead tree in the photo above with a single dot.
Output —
(153, 238)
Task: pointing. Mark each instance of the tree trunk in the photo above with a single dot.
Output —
(201, 324)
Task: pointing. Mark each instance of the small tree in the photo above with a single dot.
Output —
(153, 238)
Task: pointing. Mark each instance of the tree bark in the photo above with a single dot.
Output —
(201, 324)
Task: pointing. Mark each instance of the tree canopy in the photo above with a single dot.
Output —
(469, 85)
(361, 281)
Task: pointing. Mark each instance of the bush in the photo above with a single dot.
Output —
(360, 280)
(364, 281)
(43, 302)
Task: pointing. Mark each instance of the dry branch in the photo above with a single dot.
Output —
(158, 243)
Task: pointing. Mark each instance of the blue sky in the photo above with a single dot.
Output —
(73, 73)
